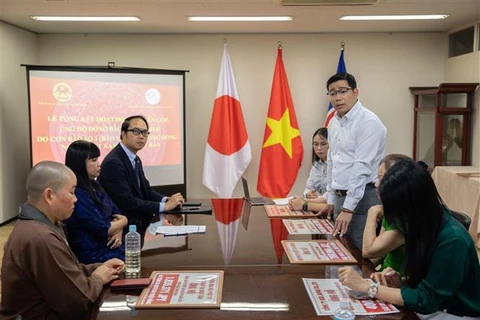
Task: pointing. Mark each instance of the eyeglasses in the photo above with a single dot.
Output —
(320, 145)
(137, 132)
(342, 92)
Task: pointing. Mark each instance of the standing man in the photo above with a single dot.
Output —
(123, 178)
(41, 277)
(356, 137)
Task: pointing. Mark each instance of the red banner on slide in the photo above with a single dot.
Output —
(63, 111)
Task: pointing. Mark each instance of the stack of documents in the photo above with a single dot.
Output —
(169, 231)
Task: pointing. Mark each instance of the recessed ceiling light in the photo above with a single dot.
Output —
(257, 18)
(61, 18)
(398, 17)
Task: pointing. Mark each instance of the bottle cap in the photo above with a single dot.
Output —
(132, 227)
(344, 304)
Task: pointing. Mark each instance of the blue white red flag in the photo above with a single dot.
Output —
(341, 68)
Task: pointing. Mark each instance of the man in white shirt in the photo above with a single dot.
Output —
(357, 144)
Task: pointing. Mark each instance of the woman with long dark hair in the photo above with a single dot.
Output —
(96, 225)
(316, 184)
(442, 271)
(389, 242)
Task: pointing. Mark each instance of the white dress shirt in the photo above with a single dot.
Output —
(317, 180)
(356, 147)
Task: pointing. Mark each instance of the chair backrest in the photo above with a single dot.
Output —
(462, 218)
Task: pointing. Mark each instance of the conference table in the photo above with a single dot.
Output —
(259, 281)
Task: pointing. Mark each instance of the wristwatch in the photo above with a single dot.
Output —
(305, 206)
(372, 290)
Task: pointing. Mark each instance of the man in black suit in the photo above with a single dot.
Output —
(123, 178)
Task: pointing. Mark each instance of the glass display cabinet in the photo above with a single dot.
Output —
(442, 124)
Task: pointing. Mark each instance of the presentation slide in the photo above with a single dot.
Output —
(66, 106)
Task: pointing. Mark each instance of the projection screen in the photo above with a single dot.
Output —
(73, 103)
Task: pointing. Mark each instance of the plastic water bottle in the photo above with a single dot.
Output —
(133, 263)
(344, 312)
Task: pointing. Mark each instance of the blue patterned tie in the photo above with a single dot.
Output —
(137, 170)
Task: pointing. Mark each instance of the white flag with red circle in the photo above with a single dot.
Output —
(228, 152)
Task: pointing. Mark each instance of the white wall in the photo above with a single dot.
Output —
(16, 47)
(466, 68)
(385, 65)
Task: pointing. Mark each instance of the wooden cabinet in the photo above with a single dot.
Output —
(442, 124)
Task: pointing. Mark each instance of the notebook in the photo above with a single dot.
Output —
(130, 284)
(175, 231)
(255, 201)
(193, 208)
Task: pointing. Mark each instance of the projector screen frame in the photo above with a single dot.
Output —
(111, 68)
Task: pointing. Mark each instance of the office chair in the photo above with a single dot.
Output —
(462, 218)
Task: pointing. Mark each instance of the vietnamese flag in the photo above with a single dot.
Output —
(228, 152)
(282, 150)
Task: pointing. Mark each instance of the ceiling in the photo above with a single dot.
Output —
(163, 16)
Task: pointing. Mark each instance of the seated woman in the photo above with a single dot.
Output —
(442, 272)
(317, 180)
(390, 241)
(96, 225)
(316, 186)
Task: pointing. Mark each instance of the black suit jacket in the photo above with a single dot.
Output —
(118, 179)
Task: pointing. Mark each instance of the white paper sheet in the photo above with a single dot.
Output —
(181, 230)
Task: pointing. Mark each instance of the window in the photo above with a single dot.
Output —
(461, 42)
(478, 34)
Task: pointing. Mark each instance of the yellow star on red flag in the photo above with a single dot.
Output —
(282, 132)
(282, 149)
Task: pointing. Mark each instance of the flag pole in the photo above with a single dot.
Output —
(279, 43)
(225, 40)
(342, 46)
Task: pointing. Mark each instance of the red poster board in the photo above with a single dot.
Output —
(326, 294)
(186, 289)
(284, 211)
(308, 226)
(317, 252)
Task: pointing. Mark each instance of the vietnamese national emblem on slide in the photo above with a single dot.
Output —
(62, 92)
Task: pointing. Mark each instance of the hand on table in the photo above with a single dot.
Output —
(174, 201)
(350, 278)
(387, 277)
(110, 270)
(296, 203)
(115, 263)
(341, 223)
